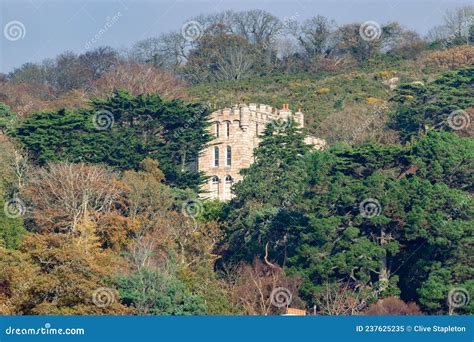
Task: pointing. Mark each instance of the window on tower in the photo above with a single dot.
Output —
(228, 156)
(217, 130)
(216, 156)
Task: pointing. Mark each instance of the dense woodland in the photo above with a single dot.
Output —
(100, 202)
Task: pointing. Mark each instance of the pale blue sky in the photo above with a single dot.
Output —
(53, 26)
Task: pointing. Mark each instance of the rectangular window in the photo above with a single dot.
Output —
(229, 156)
(216, 156)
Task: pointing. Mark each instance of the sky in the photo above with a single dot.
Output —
(33, 30)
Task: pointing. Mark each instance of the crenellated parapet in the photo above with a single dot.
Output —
(252, 113)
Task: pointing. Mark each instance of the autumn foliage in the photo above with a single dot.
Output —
(393, 306)
(456, 57)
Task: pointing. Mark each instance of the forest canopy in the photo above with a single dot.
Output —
(103, 211)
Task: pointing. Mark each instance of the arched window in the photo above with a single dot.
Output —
(228, 187)
(227, 129)
(216, 156)
(214, 187)
(228, 156)
(217, 130)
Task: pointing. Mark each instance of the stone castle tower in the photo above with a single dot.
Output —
(236, 131)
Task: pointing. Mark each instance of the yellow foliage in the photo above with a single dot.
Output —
(409, 97)
(322, 91)
(373, 100)
(295, 84)
(385, 75)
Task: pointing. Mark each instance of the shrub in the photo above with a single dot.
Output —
(385, 75)
(457, 57)
(393, 306)
(374, 100)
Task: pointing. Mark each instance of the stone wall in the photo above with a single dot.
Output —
(237, 130)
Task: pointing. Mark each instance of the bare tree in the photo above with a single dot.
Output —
(139, 79)
(459, 21)
(21, 167)
(61, 193)
(168, 51)
(234, 64)
(257, 26)
(341, 299)
(252, 287)
(217, 23)
(100, 61)
(314, 35)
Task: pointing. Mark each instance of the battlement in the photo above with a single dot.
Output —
(256, 113)
(237, 132)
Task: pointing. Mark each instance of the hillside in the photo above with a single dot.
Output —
(110, 173)
(352, 94)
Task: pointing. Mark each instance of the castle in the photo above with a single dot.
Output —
(236, 133)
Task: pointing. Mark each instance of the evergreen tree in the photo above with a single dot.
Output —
(434, 105)
(121, 131)
(267, 197)
(154, 292)
(7, 117)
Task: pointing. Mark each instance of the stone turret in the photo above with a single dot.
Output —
(244, 117)
(236, 134)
